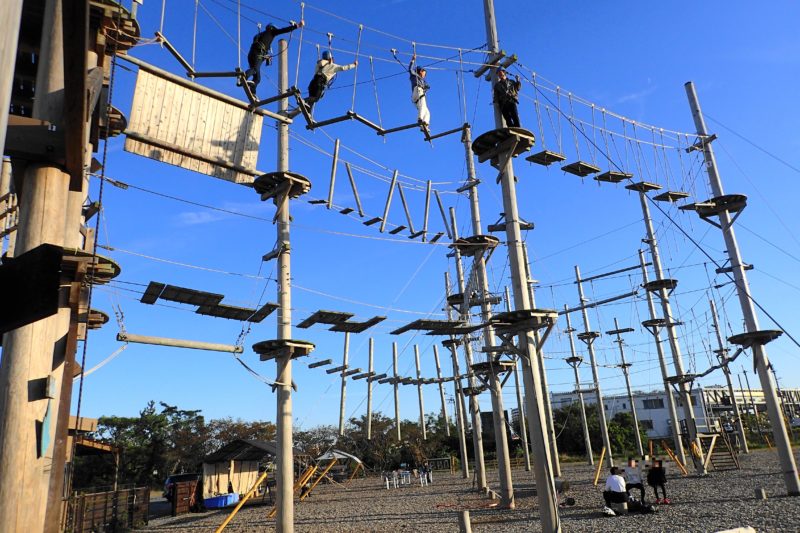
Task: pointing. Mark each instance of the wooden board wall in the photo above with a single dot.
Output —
(177, 125)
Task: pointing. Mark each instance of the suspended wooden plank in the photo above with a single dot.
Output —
(199, 131)
(355, 189)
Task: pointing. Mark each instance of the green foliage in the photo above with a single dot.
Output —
(569, 431)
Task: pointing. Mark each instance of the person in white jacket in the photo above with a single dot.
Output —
(324, 72)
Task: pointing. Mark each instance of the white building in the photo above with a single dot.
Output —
(710, 405)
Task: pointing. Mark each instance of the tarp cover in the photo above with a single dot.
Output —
(339, 455)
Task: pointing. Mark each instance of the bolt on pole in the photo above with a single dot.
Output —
(760, 359)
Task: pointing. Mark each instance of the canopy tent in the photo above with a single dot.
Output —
(235, 466)
(342, 461)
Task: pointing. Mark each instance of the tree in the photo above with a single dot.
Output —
(569, 430)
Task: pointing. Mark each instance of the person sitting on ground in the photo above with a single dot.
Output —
(419, 90)
(506, 96)
(324, 72)
(261, 51)
(657, 477)
(633, 478)
(614, 490)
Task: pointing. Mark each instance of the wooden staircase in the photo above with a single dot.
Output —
(719, 452)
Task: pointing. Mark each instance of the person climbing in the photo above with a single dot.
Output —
(506, 97)
(419, 91)
(261, 51)
(324, 72)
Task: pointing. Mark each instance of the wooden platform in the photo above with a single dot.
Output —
(732, 203)
(494, 143)
(493, 367)
(325, 317)
(613, 176)
(759, 337)
(320, 363)
(643, 186)
(660, 323)
(546, 158)
(95, 319)
(457, 299)
(437, 327)
(276, 348)
(658, 284)
(523, 320)
(588, 336)
(671, 196)
(475, 244)
(581, 168)
(272, 184)
(357, 327)
(99, 269)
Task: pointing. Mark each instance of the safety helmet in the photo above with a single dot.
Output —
(326, 55)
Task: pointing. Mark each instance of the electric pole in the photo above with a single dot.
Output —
(460, 404)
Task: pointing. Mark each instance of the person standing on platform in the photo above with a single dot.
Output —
(261, 51)
(506, 96)
(419, 91)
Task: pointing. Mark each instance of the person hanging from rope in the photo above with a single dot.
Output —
(261, 51)
(324, 73)
(419, 90)
(506, 96)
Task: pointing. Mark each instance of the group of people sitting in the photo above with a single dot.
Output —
(505, 91)
(621, 482)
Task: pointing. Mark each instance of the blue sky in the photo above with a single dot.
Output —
(630, 59)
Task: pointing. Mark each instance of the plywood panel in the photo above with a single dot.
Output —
(179, 126)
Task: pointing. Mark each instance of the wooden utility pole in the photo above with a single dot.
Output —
(370, 370)
(753, 338)
(588, 336)
(662, 288)
(458, 396)
(474, 407)
(32, 365)
(625, 366)
(396, 384)
(574, 361)
(10, 15)
(537, 421)
(440, 381)
(343, 395)
(523, 426)
(489, 341)
(284, 520)
(722, 355)
(419, 393)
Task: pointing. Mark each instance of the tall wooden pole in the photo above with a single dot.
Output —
(672, 336)
(589, 340)
(10, 15)
(574, 361)
(5, 201)
(285, 467)
(669, 398)
(445, 419)
(721, 352)
(523, 426)
(548, 408)
(779, 434)
(419, 393)
(343, 395)
(489, 340)
(537, 420)
(474, 406)
(625, 366)
(34, 353)
(370, 370)
(460, 406)
(395, 384)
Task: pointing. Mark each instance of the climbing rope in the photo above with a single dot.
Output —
(299, 45)
(375, 89)
(194, 32)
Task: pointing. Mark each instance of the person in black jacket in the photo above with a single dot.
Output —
(506, 97)
(419, 91)
(261, 50)
(657, 477)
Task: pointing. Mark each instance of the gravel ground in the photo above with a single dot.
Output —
(719, 501)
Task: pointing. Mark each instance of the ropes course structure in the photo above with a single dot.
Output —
(205, 125)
